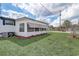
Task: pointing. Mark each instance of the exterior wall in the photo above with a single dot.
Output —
(35, 33)
(26, 34)
(17, 28)
(11, 28)
(6, 28)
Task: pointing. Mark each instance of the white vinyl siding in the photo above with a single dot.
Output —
(6, 28)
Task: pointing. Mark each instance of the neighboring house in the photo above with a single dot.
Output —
(22, 27)
(75, 29)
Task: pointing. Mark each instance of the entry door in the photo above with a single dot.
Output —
(22, 27)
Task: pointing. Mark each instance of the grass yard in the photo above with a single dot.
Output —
(52, 44)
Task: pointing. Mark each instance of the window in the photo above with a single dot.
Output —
(8, 22)
(42, 29)
(21, 29)
(30, 29)
(36, 29)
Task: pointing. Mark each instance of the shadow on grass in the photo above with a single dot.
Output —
(25, 41)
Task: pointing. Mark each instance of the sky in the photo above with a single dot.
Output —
(46, 12)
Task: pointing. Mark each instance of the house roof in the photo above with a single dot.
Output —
(22, 18)
(3, 18)
(33, 20)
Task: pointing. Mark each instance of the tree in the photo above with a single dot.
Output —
(51, 27)
(67, 24)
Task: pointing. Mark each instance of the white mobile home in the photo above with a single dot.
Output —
(7, 26)
(22, 27)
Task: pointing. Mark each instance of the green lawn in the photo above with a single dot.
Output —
(52, 44)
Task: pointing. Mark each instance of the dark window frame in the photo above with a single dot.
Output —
(10, 22)
(37, 29)
(30, 29)
(7, 19)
